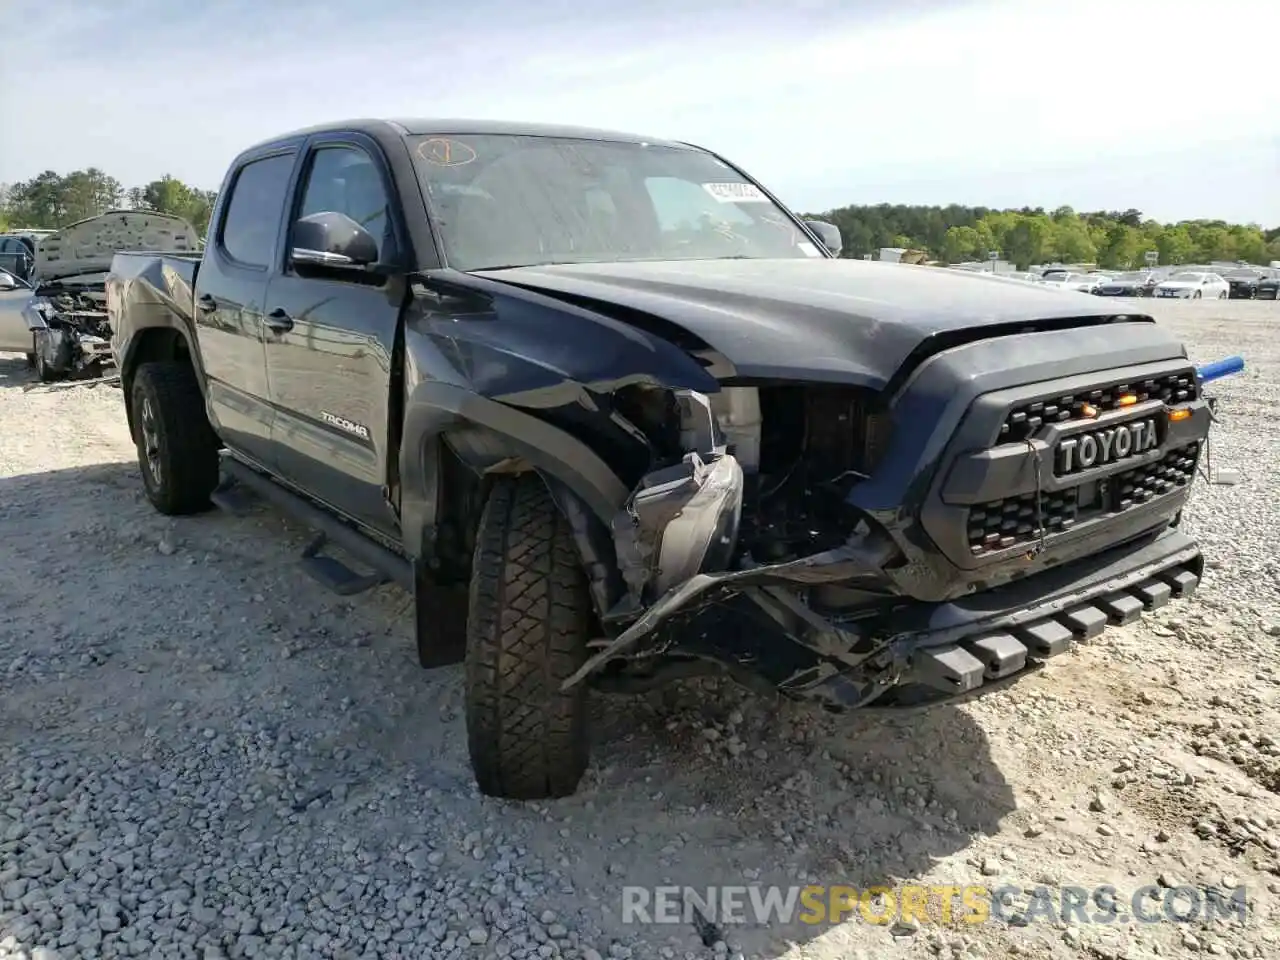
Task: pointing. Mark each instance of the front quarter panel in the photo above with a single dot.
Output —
(500, 374)
(537, 352)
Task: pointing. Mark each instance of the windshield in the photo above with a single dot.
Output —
(1130, 277)
(1188, 277)
(1242, 275)
(503, 200)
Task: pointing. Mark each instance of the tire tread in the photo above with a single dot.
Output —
(528, 619)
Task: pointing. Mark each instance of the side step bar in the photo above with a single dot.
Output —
(328, 571)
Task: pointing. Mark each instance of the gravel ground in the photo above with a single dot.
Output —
(203, 754)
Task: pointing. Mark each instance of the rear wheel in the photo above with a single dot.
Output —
(528, 621)
(177, 448)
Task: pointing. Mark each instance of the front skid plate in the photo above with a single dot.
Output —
(987, 659)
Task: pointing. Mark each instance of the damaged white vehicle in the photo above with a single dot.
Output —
(60, 320)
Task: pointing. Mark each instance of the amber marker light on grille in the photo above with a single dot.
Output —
(1176, 415)
(1128, 400)
(1088, 410)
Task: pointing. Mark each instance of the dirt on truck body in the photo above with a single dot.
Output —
(615, 415)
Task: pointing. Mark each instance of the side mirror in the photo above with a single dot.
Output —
(829, 234)
(7, 282)
(330, 239)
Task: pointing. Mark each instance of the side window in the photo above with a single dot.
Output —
(251, 224)
(344, 179)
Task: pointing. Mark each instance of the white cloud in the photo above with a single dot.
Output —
(818, 99)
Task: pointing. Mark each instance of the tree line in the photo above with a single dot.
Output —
(51, 200)
(1112, 239)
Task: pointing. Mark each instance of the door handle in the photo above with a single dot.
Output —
(206, 303)
(279, 321)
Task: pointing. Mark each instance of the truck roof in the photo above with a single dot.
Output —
(425, 126)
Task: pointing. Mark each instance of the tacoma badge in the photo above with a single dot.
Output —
(345, 425)
(1101, 447)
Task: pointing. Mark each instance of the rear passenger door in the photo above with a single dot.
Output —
(231, 289)
(330, 335)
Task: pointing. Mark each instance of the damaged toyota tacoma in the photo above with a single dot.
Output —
(614, 415)
(66, 321)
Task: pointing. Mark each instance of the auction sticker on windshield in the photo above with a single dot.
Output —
(736, 192)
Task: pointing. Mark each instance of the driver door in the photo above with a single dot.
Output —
(329, 338)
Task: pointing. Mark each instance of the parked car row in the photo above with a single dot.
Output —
(1262, 283)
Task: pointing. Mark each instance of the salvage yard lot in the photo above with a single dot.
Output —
(204, 754)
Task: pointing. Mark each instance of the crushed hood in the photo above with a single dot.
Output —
(846, 321)
(89, 245)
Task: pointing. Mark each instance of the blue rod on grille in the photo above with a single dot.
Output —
(1219, 369)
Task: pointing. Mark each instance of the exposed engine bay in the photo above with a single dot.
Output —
(71, 336)
(745, 477)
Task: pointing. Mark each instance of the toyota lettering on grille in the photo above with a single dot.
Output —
(1101, 447)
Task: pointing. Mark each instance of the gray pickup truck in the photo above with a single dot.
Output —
(614, 415)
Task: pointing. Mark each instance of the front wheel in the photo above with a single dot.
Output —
(528, 622)
(44, 372)
(177, 448)
(1196, 295)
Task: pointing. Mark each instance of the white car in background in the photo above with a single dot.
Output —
(1084, 282)
(1193, 285)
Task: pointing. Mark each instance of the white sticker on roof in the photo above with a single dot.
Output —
(736, 192)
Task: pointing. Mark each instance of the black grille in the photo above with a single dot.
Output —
(1175, 469)
(1025, 420)
(1010, 522)
(1001, 524)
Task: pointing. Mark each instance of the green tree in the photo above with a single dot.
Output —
(1175, 245)
(1122, 247)
(51, 200)
(960, 244)
(172, 196)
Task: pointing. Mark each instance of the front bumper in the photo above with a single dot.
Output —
(763, 630)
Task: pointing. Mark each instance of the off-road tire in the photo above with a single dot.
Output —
(177, 448)
(528, 621)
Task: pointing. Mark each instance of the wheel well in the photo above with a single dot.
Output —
(158, 343)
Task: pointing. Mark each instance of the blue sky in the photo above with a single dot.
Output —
(1166, 105)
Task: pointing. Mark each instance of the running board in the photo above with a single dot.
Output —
(331, 573)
